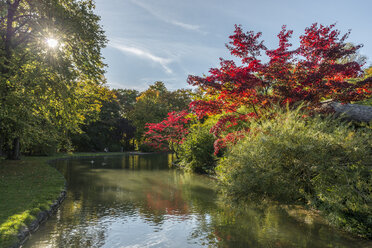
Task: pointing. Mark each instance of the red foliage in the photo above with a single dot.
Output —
(229, 121)
(309, 73)
(229, 139)
(170, 132)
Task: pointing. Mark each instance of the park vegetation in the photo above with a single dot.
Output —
(51, 78)
(261, 128)
(257, 124)
(123, 120)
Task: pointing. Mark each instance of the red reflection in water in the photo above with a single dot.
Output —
(168, 202)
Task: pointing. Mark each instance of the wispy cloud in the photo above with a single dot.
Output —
(184, 25)
(143, 54)
(165, 18)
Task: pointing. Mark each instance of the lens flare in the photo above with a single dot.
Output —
(52, 43)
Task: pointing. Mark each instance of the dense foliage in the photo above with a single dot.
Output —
(197, 151)
(154, 104)
(313, 72)
(125, 117)
(47, 92)
(110, 131)
(169, 133)
(317, 161)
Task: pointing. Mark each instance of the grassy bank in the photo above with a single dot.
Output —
(27, 187)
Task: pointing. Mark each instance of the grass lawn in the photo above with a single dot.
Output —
(27, 187)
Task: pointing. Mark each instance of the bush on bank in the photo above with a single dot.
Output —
(196, 151)
(317, 161)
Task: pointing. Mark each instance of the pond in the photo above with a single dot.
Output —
(139, 201)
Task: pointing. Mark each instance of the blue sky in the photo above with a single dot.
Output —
(166, 40)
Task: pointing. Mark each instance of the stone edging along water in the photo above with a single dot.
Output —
(25, 232)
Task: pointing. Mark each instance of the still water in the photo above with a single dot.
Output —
(138, 201)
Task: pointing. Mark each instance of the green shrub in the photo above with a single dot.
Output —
(196, 152)
(317, 161)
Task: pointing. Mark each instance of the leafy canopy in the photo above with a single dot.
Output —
(41, 86)
(320, 68)
(169, 133)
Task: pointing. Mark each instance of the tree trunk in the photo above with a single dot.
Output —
(4, 69)
(14, 153)
(1, 146)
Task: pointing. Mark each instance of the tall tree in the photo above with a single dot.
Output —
(318, 69)
(127, 99)
(51, 68)
(154, 104)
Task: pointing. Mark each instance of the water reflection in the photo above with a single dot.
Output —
(137, 201)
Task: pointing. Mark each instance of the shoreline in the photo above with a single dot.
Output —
(27, 229)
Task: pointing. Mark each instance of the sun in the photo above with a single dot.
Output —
(52, 43)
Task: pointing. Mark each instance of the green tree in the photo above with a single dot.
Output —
(111, 130)
(154, 104)
(51, 69)
(127, 99)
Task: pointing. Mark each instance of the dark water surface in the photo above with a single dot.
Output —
(138, 201)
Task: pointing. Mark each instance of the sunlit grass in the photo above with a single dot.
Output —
(26, 188)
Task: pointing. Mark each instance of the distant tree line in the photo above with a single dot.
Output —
(123, 118)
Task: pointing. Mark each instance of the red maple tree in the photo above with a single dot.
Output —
(169, 133)
(310, 73)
